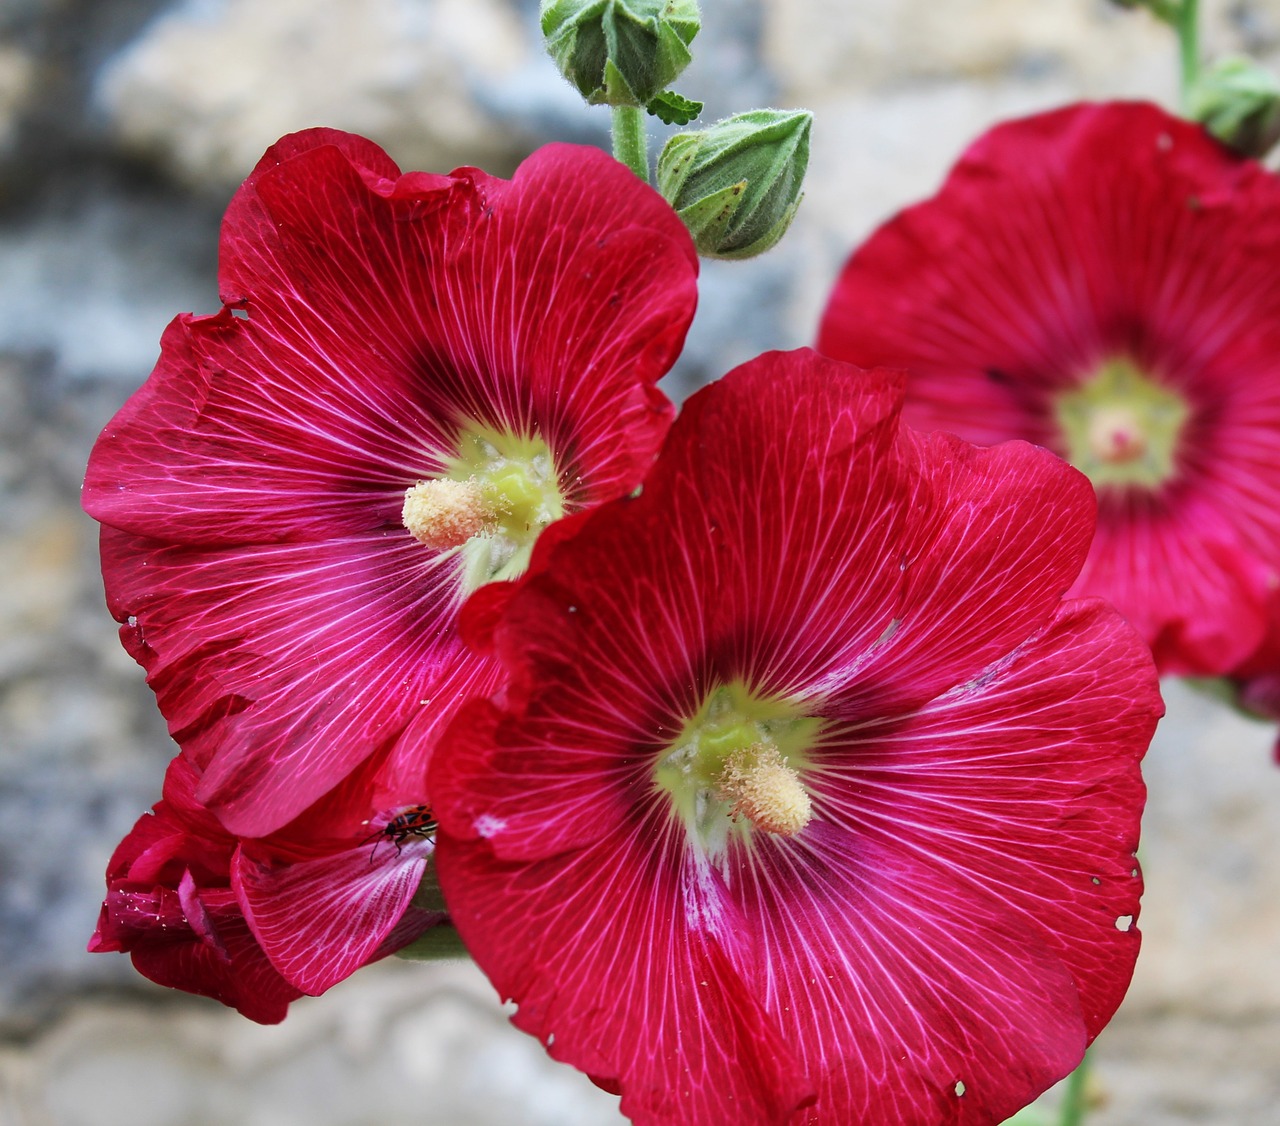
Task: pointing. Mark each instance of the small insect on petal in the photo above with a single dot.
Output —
(413, 821)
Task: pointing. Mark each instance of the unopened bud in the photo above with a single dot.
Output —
(737, 184)
(620, 52)
(1238, 101)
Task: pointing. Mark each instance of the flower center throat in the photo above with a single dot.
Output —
(491, 501)
(1120, 427)
(737, 767)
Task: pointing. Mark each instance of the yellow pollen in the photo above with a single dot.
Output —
(443, 513)
(1116, 435)
(765, 790)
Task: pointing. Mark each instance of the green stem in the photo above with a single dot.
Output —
(1073, 1097)
(1187, 25)
(630, 144)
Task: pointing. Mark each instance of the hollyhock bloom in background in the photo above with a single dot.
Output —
(1102, 280)
(256, 924)
(823, 807)
(412, 375)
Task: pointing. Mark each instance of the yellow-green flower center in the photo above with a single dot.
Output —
(490, 503)
(1120, 427)
(738, 767)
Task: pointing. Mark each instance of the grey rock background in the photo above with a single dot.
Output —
(124, 126)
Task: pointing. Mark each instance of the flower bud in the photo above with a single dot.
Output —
(1238, 101)
(620, 52)
(737, 184)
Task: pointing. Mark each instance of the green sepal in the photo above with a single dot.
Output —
(769, 239)
(614, 90)
(709, 218)
(674, 109)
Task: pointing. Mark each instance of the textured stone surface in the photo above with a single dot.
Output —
(398, 1044)
(819, 45)
(17, 80)
(128, 124)
(209, 85)
(822, 44)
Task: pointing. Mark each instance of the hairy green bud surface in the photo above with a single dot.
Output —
(620, 52)
(737, 185)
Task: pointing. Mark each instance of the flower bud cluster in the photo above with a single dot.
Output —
(620, 52)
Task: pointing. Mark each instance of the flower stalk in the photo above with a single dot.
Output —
(1186, 22)
(631, 140)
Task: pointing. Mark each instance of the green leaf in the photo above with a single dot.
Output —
(673, 108)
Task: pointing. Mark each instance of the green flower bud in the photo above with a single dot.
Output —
(620, 52)
(737, 184)
(1238, 101)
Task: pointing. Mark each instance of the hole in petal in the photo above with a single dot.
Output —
(959, 1088)
(1124, 922)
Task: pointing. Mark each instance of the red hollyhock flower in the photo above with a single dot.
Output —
(823, 807)
(170, 905)
(1102, 280)
(411, 377)
(256, 924)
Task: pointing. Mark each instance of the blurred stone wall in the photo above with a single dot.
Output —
(124, 126)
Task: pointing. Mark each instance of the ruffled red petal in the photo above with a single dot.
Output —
(169, 904)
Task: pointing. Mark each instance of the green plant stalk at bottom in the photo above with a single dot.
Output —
(1073, 1096)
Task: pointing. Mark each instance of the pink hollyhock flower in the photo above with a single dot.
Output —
(412, 375)
(808, 799)
(256, 924)
(1102, 280)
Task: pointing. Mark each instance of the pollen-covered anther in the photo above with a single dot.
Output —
(765, 790)
(1116, 435)
(444, 513)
